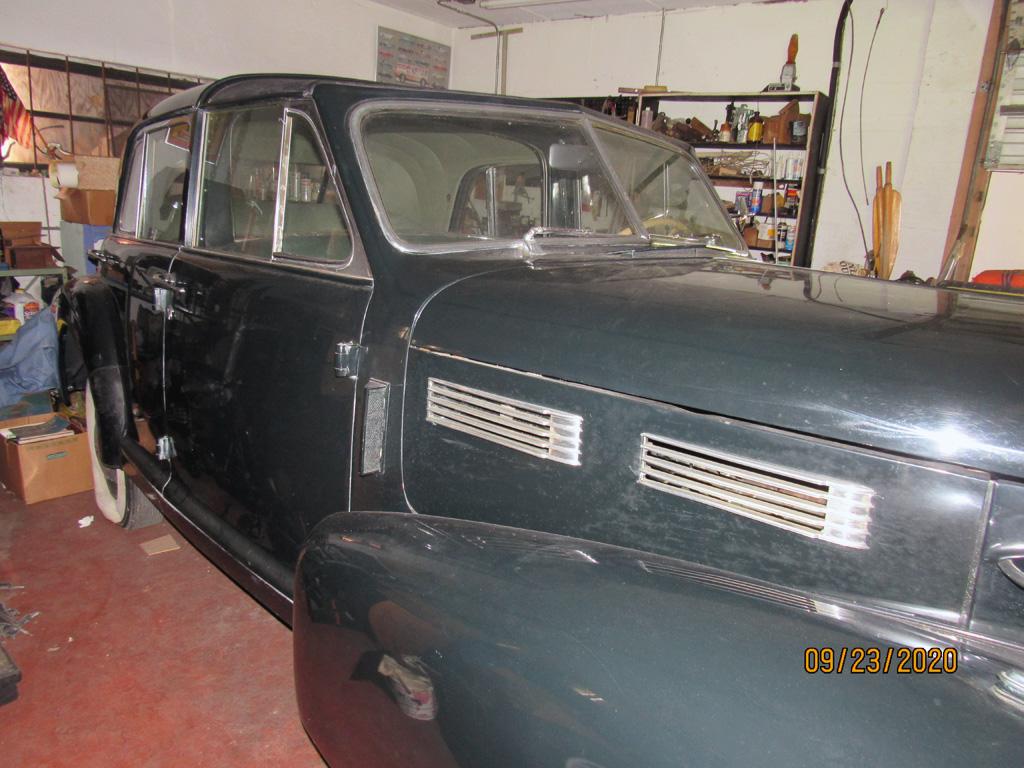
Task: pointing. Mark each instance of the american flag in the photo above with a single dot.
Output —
(17, 123)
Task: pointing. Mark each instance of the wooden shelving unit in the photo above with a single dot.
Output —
(711, 107)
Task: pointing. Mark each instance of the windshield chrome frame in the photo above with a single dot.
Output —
(362, 111)
(584, 121)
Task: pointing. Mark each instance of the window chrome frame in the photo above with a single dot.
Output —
(138, 141)
(356, 266)
(291, 114)
(431, 107)
(186, 191)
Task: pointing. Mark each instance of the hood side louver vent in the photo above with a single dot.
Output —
(818, 507)
(532, 429)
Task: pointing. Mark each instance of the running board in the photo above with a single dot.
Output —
(259, 573)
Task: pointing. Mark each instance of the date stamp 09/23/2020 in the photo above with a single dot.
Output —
(870, 661)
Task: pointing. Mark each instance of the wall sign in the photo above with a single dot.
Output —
(409, 60)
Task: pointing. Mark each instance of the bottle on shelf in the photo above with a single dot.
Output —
(756, 194)
(792, 202)
(725, 132)
(743, 113)
(755, 131)
(788, 75)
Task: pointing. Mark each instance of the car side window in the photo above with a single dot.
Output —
(128, 216)
(314, 225)
(168, 149)
(241, 157)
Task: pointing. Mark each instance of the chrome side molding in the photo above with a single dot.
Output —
(526, 427)
(819, 507)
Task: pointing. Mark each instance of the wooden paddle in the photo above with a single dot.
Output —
(892, 203)
(876, 222)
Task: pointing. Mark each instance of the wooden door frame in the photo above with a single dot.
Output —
(972, 188)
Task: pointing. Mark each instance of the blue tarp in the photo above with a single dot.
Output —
(29, 362)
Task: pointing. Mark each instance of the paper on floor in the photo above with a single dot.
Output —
(160, 544)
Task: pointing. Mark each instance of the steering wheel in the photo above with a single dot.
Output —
(661, 224)
(666, 225)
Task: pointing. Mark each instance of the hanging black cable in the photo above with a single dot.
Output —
(860, 113)
(826, 136)
(842, 156)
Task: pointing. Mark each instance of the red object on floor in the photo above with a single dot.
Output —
(135, 659)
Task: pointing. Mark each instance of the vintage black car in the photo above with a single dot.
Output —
(483, 397)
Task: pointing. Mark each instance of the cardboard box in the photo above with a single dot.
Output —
(87, 206)
(16, 421)
(86, 172)
(47, 469)
(31, 256)
(14, 233)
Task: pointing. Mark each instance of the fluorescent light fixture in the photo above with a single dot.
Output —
(494, 5)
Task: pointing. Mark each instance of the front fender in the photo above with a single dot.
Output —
(96, 321)
(435, 642)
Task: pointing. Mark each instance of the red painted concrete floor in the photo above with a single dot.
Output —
(137, 660)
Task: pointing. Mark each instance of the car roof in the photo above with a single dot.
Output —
(240, 88)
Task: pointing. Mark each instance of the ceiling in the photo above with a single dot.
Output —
(556, 10)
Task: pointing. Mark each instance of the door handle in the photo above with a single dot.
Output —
(168, 282)
(99, 257)
(1013, 569)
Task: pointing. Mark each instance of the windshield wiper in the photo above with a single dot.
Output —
(536, 236)
(533, 233)
(712, 242)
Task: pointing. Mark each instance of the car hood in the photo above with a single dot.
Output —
(919, 371)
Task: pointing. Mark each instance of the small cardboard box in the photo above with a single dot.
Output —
(16, 233)
(32, 256)
(47, 469)
(87, 206)
(17, 421)
(86, 172)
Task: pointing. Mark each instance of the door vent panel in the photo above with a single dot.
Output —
(819, 507)
(375, 426)
(522, 426)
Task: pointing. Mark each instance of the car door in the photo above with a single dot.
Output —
(262, 337)
(136, 256)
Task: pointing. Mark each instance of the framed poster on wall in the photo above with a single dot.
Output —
(409, 60)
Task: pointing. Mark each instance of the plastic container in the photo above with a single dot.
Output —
(21, 305)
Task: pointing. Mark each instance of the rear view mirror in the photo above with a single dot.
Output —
(572, 157)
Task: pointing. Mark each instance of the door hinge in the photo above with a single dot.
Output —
(347, 355)
(165, 448)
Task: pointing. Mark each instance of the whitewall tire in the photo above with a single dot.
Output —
(117, 497)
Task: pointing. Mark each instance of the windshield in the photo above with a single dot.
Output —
(450, 178)
(666, 189)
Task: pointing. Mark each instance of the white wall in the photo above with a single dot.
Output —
(217, 37)
(1002, 227)
(924, 70)
(209, 38)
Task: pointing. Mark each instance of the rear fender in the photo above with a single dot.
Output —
(435, 642)
(96, 325)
